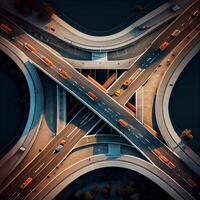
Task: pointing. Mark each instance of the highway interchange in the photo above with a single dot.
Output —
(107, 108)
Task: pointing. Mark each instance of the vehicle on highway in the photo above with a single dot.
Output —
(117, 92)
(126, 83)
(46, 61)
(122, 122)
(168, 61)
(196, 13)
(143, 27)
(156, 152)
(151, 130)
(30, 47)
(175, 33)
(6, 28)
(165, 160)
(164, 45)
(171, 165)
(191, 182)
(62, 73)
(63, 142)
(26, 182)
(175, 7)
(50, 27)
(60, 146)
(22, 149)
(92, 96)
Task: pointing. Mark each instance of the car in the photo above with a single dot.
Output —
(175, 33)
(143, 27)
(22, 149)
(171, 165)
(63, 142)
(168, 61)
(30, 47)
(51, 28)
(191, 182)
(156, 152)
(46, 61)
(26, 182)
(175, 7)
(58, 148)
(6, 28)
(164, 45)
(196, 13)
(92, 96)
(127, 83)
(117, 92)
(62, 73)
(122, 122)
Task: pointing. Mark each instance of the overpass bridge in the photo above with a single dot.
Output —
(135, 126)
(95, 152)
(15, 155)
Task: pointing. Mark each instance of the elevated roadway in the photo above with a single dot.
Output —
(15, 155)
(109, 110)
(140, 77)
(151, 58)
(92, 153)
(72, 133)
(72, 37)
(162, 106)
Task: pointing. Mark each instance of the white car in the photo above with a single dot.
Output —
(175, 33)
(58, 148)
(143, 27)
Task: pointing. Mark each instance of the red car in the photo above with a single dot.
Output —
(163, 46)
(26, 182)
(63, 73)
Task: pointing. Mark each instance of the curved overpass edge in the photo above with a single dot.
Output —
(15, 156)
(127, 162)
(162, 106)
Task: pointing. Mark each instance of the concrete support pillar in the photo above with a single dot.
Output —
(114, 149)
(139, 98)
(61, 108)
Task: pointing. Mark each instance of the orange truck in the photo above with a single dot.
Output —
(26, 182)
(164, 45)
(30, 47)
(6, 28)
(156, 152)
(151, 130)
(62, 73)
(46, 61)
(122, 122)
(92, 96)
(165, 160)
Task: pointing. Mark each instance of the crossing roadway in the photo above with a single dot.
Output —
(108, 110)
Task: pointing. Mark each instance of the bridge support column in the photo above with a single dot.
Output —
(114, 149)
(61, 109)
(140, 104)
